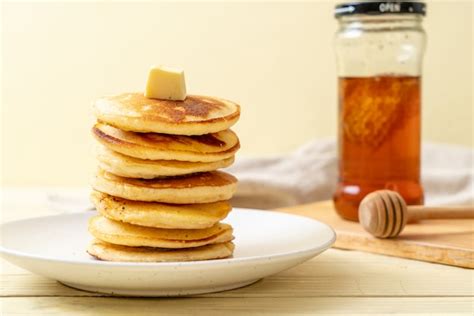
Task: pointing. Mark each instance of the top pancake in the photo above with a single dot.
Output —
(196, 115)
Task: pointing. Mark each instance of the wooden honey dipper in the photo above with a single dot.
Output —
(385, 213)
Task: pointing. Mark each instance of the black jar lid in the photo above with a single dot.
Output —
(380, 7)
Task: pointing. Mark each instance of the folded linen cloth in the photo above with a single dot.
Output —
(310, 173)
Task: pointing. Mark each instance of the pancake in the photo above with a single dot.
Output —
(204, 187)
(110, 252)
(196, 115)
(203, 148)
(130, 167)
(152, 214)
(125, 234)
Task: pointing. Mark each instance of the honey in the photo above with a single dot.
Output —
(379, 139)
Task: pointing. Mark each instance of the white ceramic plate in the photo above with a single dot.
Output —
(266, 243)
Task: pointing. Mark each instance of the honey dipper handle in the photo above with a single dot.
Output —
(418, 212)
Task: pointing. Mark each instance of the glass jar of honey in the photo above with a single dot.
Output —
(379, 48)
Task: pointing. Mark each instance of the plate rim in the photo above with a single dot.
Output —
(184, 264)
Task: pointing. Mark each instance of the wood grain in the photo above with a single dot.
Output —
(232, 306)
(336, 273)
(338, 282)
(417, 212)
(443, 241)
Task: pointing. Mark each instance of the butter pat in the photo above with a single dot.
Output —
(166, 83)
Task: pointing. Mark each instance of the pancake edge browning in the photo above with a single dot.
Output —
(181, 190)
(125, 234)
(131, 167)
(110, 252)
(160, 215)
(149, 153)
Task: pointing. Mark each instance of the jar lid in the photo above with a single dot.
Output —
(380, 7)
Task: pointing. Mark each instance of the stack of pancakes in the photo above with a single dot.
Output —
(157, 190)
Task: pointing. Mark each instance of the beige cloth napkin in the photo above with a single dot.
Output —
(310, 173)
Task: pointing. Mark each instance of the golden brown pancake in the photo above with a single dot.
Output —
(204, 187)
(196, 115)
(126, 166)
(203, 148)
(125, 234)
(159, 215)
(110, 252)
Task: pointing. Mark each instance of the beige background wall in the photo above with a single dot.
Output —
(276, 59)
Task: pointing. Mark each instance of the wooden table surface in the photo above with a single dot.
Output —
(336, 282)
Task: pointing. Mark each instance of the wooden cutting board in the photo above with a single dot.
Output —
(448, 242)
